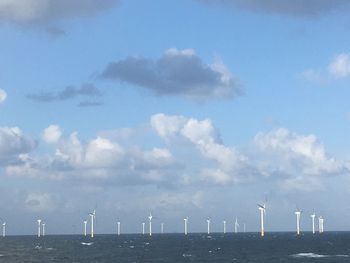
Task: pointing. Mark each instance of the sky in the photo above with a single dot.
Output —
(181, 108)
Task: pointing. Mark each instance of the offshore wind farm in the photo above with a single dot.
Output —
(174, 131)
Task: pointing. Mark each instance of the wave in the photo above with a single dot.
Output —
(87, 244)
(314, 255)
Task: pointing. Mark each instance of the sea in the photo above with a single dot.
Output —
(240, 247)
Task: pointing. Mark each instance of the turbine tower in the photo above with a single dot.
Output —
(43, 231)
(298, 213)
(4, 229)
(150, 224)
(39, 227)
(92, 218)
(313, 222)
(224, 226)
(208, 224)
(85, 227)
(262, 209)
(236, 226)
(162, 228)
(118, 228)
(186, 222)
(320, 224)
(244, 228)
(143, 228)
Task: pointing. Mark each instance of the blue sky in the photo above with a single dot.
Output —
(183, 108)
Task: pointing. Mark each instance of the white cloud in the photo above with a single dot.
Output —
(13, 143)
(52, 134)
(340, 66)
(3, 95)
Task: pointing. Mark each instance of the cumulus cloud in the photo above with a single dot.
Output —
(42, 12)
(295, 8)
(52, 134)
(176, 73)
(70, 92)
(13, 143)
(3, 96)
(300, 161)
(203, 135)
(279, 157)
(340, 66)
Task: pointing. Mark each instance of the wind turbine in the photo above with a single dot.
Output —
(224, 226)
(39, 227)
(186, 222)
(143, 228)
(85, 227)
(313, 222)
(298, 213)
(262, 209)
(208, 224)
(118, 228)
(150, 224)
(3, 229)
(236, 226)
(92, 218)
(244, 228)
(320, 224)
(162, 228)
(43, 226)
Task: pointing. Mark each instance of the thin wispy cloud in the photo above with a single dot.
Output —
(176, 73)
(294, 8)
(44, 12)
(71, 92)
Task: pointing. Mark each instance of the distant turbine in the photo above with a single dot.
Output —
(224, 226)
(85, 227)
(162, 228)
(150, 224)
(208, 223)
(143, 228)
(118, 228)
(298, 213)
(186, 222)
(4, 229)
(43, 226)
(313, 222)
(262, 209)
(236, 226)
(92, 218)
(39, 227)
(244, 228)
(320, 224)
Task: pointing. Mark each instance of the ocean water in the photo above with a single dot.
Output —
(242, 247)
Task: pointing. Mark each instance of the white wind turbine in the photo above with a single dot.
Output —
(298, 213)
(143, 228)
(320, 224)
(118, 228)
(262, 209)
(313, 222)
(244, 228)
(39, 227)
(224, 226)
(185, 224)
(208, 225)
(43, 230)
(3, 229)
(92, 218)
(85, 227)
(236, 226)
(162, 228)
(150, 224)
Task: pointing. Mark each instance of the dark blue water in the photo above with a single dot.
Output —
(248, 247)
